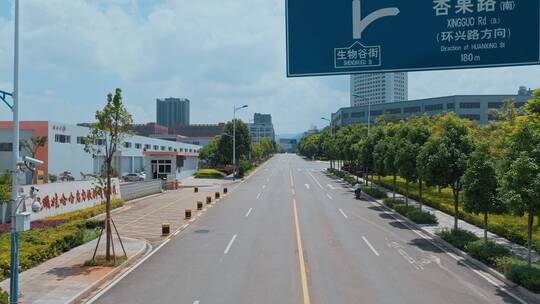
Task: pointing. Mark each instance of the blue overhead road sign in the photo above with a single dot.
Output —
(328, 37)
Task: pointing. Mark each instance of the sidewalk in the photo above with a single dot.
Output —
(63, 279)
(446, 221)
(142, 218)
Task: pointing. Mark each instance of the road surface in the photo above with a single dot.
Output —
(290, 234)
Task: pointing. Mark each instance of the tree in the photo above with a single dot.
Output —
(31, 146)
(520, 178)
(367, 150)
(445, 156)
(480, 193)
(406, 164)
(210, 152)
(106, 135)
(243, 142)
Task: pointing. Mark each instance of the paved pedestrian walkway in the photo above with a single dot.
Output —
(143, 218)
(446, 221)
(64, 278)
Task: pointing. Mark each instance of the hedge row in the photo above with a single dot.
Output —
(511, 227)
(413, 213)
(40, 244)
(209, 173)
(496, 256)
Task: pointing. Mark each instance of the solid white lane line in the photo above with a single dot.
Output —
(343, 213)
(320, 186)
(293, 193)
(258, 195)
(264, 186)
(329, 197)
(230, 244)
(196, 302)
(249, 211)
(370, 246)
(307, 186)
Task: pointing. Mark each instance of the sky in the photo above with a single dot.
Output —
(216, 53)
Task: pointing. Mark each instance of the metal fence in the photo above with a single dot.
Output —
(130, 191)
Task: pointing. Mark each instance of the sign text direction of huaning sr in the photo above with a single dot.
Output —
(329, 37)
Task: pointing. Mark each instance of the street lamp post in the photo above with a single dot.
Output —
(14, 281)
(331, 133)
(368, 130)
(234, 138)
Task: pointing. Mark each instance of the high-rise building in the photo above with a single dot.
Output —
(171, 112)
(261, 127)
(378, 88)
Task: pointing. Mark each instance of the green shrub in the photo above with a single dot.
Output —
(516, 270)
(4, 297)
(350, 180)
(374, 192)
(458, 238)
(402, 209)
(509, 226)
(244, 166)
(390, 202)
(488, 253)
(422, 217)
(209, 173)
(41, 244)
(88, 212)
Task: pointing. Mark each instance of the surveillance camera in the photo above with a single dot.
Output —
(34, 188)
(32, 161)
(36, 206)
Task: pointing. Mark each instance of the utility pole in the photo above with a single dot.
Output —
(234, 139)
(14, 282)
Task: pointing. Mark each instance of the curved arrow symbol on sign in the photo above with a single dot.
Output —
(359, 24)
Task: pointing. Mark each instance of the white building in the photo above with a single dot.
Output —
(64, 151)
(378, 88)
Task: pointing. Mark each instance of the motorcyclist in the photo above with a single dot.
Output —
(357, 190)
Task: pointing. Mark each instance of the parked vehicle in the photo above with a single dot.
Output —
(133, 177)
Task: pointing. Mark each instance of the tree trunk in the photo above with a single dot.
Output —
(529, 235)
(439, 189)
(538, 218)
(485, 227)
(394, 187)
(420, 192)
(407, 193)
(108, 230)
(456, 207)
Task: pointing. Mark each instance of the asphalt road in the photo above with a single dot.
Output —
(290, 234)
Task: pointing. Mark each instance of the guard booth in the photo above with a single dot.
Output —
(170, 165)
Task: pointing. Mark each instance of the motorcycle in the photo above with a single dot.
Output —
(358, 193)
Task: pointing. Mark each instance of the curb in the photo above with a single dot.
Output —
(112, 274)
(528, 295)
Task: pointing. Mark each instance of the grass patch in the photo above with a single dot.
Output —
(511, 227)
(101, 261)
(209, 173)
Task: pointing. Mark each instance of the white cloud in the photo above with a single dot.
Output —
(217, 53)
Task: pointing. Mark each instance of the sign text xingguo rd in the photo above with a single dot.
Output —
(326, 37)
